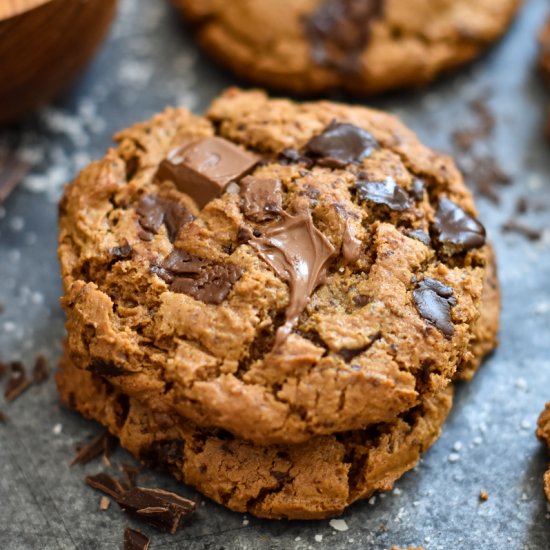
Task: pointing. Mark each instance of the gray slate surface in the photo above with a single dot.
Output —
(150, 61)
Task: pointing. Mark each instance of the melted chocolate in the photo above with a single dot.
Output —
(153, 211)
(204, 280)
(339, 31)
(298, 253)
(457, 231)
(351, 245)
(261, 198)
(341, 144)
(385, 192)
(202, 169)
(434, 301)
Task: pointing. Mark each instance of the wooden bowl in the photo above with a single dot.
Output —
(43, 46)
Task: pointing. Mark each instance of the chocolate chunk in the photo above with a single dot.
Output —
(434, 301)
(153, 211)
(40, 371)
(420, 235)
(385, 192)
(340, 30)
(261, 198)
(134, 540)
(106, 484)
(202, 279)
(18, 382)
(121, 252)
(341, 144)
(298, 253)
(102, 444)
(104, 368)
(162, 453)
(456, 230)
(202, 169)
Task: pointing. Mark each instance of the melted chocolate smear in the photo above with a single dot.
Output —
(102, 444)
(202, 279)
(434, 301)
(261, 198)
(161, 509)
(385, 192)
(456, 230)
(340, 30)
(341, 144)
(203, 169)
(298, 253)
(134, 540)
(153, 211)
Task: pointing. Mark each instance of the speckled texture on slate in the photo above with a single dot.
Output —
(488, 443)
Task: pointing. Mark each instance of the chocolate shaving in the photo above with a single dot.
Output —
(205, 280)
(341, 144)
(40, 372)
(161, 509)
(18, 382)
(134, 540)
(434, 301)
(386, 192)
(103, 443)
(129, 475)
(521, 228)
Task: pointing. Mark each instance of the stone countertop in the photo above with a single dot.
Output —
(488, 443)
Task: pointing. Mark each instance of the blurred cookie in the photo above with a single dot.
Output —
(278, 270)
(362, 46)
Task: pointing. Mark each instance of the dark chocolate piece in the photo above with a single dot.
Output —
(18, 382)
(134, 540)
(261, 198)
(434, 301)
(121, 252)
(40, 372)
(298, 253)
(456, 230)
(203, 169)
(341, 144)
(106, 484)
(385, 192)
(130, 475)
(104, 368)
(420, 235)
(163, 452)
(202, 279)
(102, 444)
(153, 211)
(340, 30)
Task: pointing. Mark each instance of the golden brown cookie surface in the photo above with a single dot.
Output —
(363, 46)
(277, 270)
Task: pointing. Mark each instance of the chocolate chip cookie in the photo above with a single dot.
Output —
(543, 433)
(315, 479)
(362, 46)
(274, 269)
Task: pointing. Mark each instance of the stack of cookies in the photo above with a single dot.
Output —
(273, 301)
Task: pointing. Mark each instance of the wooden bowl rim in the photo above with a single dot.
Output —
(14, 8)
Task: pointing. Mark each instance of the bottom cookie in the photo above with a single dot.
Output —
(314, 480)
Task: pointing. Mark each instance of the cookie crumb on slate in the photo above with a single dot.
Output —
(134, 540)
(104, 503)
(338, 524)
(483, 496)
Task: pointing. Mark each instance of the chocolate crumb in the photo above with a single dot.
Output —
(521, 228)
(483, 496)
(134, 540)
(101, 444)
(40, 371)
(18, 381)
(104, 503)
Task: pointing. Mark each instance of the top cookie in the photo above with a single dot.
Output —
(363, 46)
(275, 269)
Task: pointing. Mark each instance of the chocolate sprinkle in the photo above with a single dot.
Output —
(339, 31)
(101, 444)
(456, 230)
(161, 509)
(341, 144)
(205, 280)
(385, 192)
(134, 540)
(434, 301)
(153, 211)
